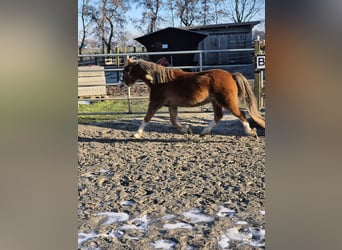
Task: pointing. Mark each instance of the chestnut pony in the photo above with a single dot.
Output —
(175, 88)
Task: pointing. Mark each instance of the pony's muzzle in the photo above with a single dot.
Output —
(121, 82)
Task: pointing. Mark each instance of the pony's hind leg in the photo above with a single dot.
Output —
(246, 126)
(232, 104)
(242, 116)
(152, 109)
(173, 117)
(218, 114)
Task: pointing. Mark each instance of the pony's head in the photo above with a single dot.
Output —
(135, 70)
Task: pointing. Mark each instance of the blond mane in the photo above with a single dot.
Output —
(159, 73)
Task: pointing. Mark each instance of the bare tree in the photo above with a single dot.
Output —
(151, 14)
(186, 11)
(243, 10)
(193, 12)
(85, 15)
(108, 15)
(171, 6)
(218, 10)
(205, 16)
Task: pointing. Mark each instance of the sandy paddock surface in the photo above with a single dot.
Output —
(168, 190)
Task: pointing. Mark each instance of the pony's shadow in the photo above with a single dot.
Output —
(229, 127)
(130, 139)
(163, 127)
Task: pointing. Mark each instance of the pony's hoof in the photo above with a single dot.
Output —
(202, 134)
(185, 130)
(253, 133)
(137, 136)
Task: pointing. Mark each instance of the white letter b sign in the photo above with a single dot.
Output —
(260, 62)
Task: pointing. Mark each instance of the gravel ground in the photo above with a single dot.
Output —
(168, 190)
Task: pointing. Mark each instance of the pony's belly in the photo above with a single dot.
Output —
(196, 104)
(187, 103)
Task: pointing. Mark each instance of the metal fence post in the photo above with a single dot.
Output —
(129, 100)
(117, 61)
(257, 73)
(201, 69)
(201, 61)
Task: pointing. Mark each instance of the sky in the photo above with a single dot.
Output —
(137, 12)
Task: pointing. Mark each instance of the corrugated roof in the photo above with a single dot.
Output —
(222, 26)
(146, 38)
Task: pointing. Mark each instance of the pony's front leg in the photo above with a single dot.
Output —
(152, 109)
(173, 117)
(140, 131)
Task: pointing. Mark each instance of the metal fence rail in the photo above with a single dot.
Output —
(122, 57)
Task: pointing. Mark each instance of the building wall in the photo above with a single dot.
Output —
(234, 37)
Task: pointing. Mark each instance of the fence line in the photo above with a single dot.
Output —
(124, 55)
(167, 52)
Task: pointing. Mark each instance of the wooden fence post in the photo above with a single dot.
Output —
(117, 61)
(117, 51)
(257, 73)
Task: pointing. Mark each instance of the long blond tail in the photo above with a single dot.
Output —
(249, 98)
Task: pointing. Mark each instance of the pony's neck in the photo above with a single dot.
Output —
(147, 82)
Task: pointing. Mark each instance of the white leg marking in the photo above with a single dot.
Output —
(140, 131)
(184, 129)
(248, 129)
(208, 129)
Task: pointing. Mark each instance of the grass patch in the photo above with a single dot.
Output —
(120, 107)
(105, 106)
